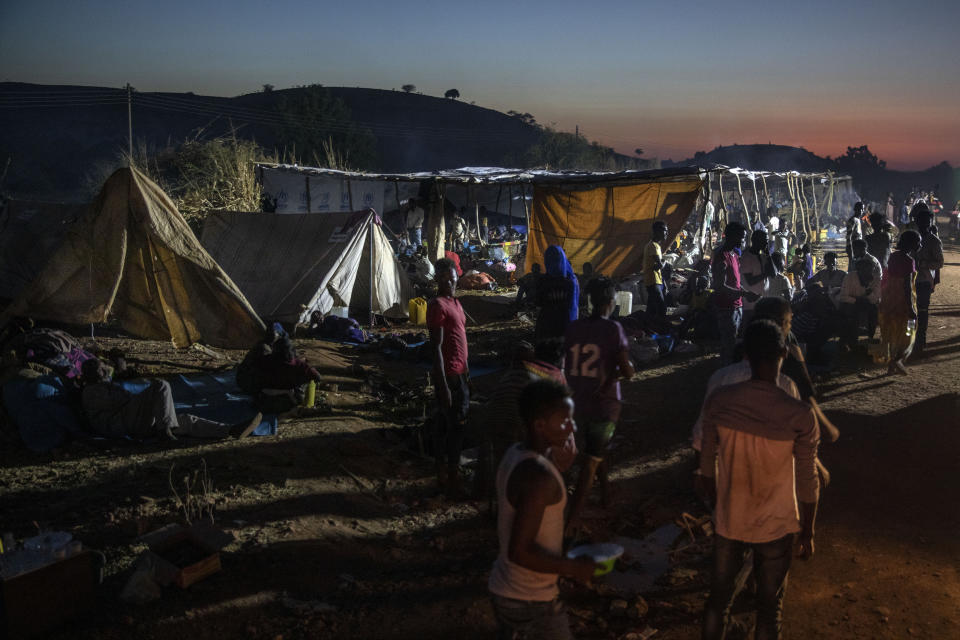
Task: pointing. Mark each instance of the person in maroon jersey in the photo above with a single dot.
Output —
(597, 357)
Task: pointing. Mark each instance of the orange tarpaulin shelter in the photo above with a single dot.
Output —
(607, 225)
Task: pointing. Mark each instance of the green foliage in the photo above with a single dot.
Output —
(452, 93)
(315, 121)
(409, 88)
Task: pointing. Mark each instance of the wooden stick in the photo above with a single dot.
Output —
(361, 483)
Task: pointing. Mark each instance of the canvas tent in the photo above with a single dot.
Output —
(29, 232)
(133, 258)
(289, 265)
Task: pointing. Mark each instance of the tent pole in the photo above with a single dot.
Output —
(743, 201)
(756, 198)
(370, 224)
(476, 212)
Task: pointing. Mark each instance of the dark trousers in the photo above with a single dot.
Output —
(450, 422)
(853, 315)
(728, 324)
(771, 563)
(656, 301)
(924, 291)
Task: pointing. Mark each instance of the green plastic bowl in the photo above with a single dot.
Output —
(604, 554)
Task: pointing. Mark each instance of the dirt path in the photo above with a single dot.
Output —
(373, 553)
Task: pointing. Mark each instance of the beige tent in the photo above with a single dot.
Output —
(291, 264)
(133, 258)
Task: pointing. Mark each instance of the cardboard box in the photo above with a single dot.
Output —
(183, 556)
(38, 601)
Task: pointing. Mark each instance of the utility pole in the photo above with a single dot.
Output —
(577, 131)
(129, 125)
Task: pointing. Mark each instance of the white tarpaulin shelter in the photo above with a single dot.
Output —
(289, 265)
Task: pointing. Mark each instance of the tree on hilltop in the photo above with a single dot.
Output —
(409, 88)
(452, 93)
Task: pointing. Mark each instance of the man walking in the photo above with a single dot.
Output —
(759, 459)
(652, 270)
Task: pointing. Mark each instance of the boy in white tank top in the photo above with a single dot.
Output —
(531, 499)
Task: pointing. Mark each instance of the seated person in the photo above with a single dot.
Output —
(527, 285)
(830, 277)
(779, 284)
(814, 320)
(859, 251)
(247, 378)
(114, 412)
(283, 375)
(858, 301)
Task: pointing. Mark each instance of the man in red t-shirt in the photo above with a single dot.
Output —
(448, 341)
(728, 293)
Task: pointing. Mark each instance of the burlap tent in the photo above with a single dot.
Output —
(607, 225)
(29, 233)
(133, 259)
(289, 265)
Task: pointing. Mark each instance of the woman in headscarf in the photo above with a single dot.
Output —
(558, 295)
(898, 302)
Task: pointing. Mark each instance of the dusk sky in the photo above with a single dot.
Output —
(672, 78)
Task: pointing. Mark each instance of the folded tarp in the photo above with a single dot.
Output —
(607, 226)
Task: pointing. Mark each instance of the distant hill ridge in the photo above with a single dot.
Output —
(54, 134)
(55, 137)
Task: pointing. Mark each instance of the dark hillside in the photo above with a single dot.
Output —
(872, 182)
(58, 137)
(762, 157)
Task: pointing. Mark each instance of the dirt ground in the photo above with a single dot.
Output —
(339, 533)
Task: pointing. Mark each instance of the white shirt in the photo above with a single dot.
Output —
(750, 265)
(415, 218)
(852, 288)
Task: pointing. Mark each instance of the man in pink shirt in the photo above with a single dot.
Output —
(758, 461)
(448, 341)
(728, 293)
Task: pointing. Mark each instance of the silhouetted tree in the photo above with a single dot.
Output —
(860, 157)
(452, 93)
(267, 88)
(638, 151)
(409, 88)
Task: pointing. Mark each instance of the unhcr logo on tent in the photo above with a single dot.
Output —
(368, 199)
(323, 201)
(345, 201)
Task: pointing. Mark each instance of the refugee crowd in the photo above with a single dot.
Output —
(759, 429)
(557, 407)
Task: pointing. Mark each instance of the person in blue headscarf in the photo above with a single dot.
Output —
(558, 295)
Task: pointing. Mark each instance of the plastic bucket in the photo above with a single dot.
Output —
(418, 311)
(604, 554)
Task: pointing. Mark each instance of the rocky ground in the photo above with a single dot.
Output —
(338, 531)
